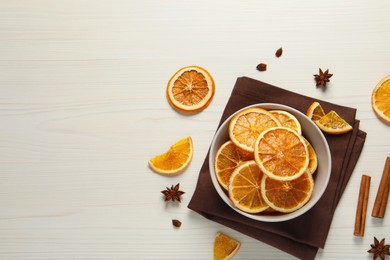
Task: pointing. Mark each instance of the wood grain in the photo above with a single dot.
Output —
(83, 108)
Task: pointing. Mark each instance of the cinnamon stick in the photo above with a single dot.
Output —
(361, 211)
(382, 195)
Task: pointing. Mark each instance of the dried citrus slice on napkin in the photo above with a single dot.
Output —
(313, 161)
(225, 247)
(248, 124)
(380, 99)
(175, 159)
(332, 123)
(227, 159)
(281, 153)
(244, 188)
(287, 196)
(190, 89)
(287, 120)
(315, 111)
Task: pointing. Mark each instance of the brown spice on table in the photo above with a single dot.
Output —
(379, 249)
(262, 67)
(173, 193)
(361, 211)
(322, 77)
(176, 223)
(382, 195)
(279, 52)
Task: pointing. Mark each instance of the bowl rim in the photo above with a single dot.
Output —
(281, 217)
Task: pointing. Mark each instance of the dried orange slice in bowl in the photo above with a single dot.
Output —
(287, 196)
(245, 188)
(313, 161)
(248, 124)
(380, 99)
(190, 89)
(228, 158)
(287, 119)
(281, 153)
(309, 131)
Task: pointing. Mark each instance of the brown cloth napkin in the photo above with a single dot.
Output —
(303, 236)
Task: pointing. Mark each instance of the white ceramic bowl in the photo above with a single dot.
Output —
(321, 177)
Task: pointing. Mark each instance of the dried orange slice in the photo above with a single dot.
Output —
(315, 111)
(248, 124)
(227, 159)
(281, 153)
(380, 99)
(332, 123)
(287, 120)
(244, 188)
(175, 159)
(313, 161)
(225, 247)
(287, 196)
(190, 89)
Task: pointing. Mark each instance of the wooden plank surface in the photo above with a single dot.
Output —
(83, 108)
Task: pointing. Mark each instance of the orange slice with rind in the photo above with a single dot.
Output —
(244, 188)
(332, 123)
(248, 124)
(190, 89)
(175, 160)
(225, 246)
(281, 153)
(287, 119)
(313, 160)
(315, 111)
(287, 196)
(380, 100)
(227, 159)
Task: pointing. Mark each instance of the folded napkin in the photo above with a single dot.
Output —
(302, 236)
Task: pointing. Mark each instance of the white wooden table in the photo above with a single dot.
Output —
(83, 109)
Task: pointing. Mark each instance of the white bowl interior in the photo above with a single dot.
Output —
(311, 132)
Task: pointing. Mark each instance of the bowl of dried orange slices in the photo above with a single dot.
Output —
(270, 162)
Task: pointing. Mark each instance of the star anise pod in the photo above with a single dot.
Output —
(379, 249)
(173, 193)
(322, 78)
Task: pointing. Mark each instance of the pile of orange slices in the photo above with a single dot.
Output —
(330, 122)
(267, 164)
(190, 90)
